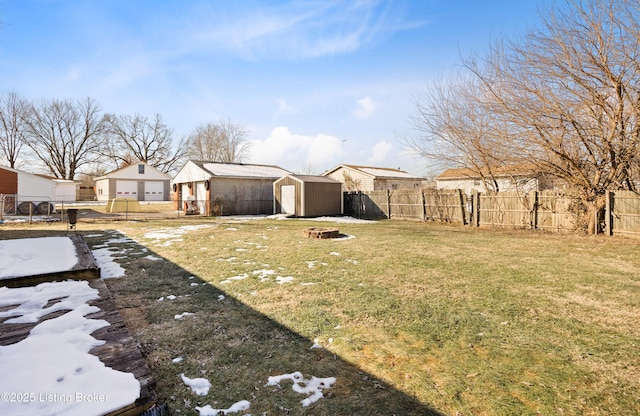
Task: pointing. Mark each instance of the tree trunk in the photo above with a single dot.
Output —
(595, 215)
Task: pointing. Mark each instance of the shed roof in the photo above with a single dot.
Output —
(378, 172)
(314, 179)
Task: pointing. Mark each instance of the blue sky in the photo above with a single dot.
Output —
(316, 83)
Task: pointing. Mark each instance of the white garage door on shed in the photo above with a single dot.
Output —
(153, 191)
(127, 189)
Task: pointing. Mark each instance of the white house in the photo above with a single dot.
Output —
(138, 181)
(213, 188)
(367, 178)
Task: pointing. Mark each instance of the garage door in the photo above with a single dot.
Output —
(127, 189)
(153, 191)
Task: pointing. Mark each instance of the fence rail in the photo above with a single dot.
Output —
(129, 209)
(544, 210)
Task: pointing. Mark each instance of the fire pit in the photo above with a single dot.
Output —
(321, 232)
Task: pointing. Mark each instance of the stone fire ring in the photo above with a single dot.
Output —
(321, 232)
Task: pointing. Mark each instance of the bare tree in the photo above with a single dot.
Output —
(64, 135)
(12, 127)
(456, 127)
(204, 143)
(567, 97)
(137, 138)
(224, 141)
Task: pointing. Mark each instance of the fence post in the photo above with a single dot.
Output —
(608, 214)
(461, 206)
(534, 211)
(388, 204)
(424, 206)
(475, 206)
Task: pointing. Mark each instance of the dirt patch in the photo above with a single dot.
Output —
(134, 318)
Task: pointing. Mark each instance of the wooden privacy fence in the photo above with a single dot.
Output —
(623, 212)
(543, 210)
(420, 204)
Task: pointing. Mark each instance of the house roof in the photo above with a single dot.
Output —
(241, 170)
(378, 172)
(58, 180)
(501, 171)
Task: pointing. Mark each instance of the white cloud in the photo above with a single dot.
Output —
(297, 30)
(295, 151)
(379, 152)
(366, 108)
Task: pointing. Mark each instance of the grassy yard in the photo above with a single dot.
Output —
(414, 318)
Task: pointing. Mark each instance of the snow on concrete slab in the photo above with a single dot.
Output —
(51, 372)
(35, 256)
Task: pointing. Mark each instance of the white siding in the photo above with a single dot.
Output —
(102, 190)
(131, 172)
(360, 181)
(504, 185)
(191, 173)
(64, 191)
(35, 188)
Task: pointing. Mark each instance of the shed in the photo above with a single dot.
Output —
(138, 181)
(31, 193)
(369, 178)
(307, 196)
(214, 188)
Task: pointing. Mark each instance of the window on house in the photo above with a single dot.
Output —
(141, 169)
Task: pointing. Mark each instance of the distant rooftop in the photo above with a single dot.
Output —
(382, 172)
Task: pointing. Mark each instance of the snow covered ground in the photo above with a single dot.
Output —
(63, 378)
